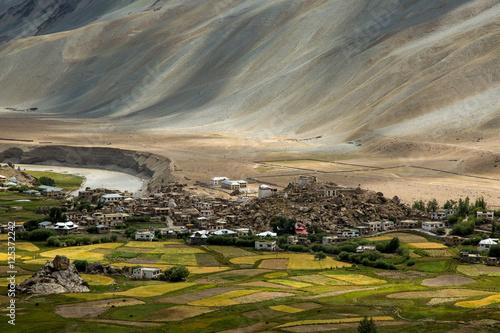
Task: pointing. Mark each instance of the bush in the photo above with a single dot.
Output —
(81, 265)
(440, 231)
(410, 262)
(320, 255)
(91, 230)
(39, 235)
(114, 238)
(54, 241)
(130, 231)
(463, 228)
(46, 181)
(175, 274)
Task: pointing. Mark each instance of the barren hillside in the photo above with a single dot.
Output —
(345, 70)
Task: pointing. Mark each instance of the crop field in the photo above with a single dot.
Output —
(26, 246)
(97, 280)
(480, 303)
(81, 252)
(285, 308)
(65, 181)
(356, 279)
(225, 299)
(178, 313)
(408, 238)
(187, 259)
(442, 293)
(319, 279)
(291, 283)
(331, 321)
(153, 290)
(478, 270)
(428, 245)
(230, 251)
(296, 261)
(288, 292)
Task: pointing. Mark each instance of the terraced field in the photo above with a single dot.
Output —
(288, 292)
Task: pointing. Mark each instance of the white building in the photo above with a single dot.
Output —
(485, 244)
(430, 226)
(146, 273)
(441, 214)
(144, 236)
(233, 184)
(265, 246)
(352, 233)
(65, 228)
(225, 232)
(216, 180)
(486, 215)
(267, 233)
(266, 191)
(113, 197)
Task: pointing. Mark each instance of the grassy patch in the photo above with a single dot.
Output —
(65, 181)
(291, 283)
(223, 299)
(331, 321)
(285, 308)
(433, 266)
(97, 280)
(152, 290)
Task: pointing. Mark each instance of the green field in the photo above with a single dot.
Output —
(302, 295)
(65, 181)
(11, 199)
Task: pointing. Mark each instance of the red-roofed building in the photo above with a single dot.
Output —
(300, 229)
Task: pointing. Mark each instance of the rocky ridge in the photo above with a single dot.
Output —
(55, 277)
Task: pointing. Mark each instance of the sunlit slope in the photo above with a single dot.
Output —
(345, 69)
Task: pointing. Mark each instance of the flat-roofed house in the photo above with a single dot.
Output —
(265, 246)
(431, 226)
(147, 273)
(217, 180)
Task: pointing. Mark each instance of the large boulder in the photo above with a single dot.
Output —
(55, 277)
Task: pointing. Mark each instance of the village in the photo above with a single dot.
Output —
(338, 213)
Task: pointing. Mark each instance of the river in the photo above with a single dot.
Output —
(95, 178)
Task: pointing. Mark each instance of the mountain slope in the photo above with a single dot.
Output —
(342, 69)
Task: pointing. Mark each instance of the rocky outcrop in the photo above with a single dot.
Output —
(97, 268)
(55, 277)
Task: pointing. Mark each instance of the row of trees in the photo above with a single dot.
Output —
(463, 207)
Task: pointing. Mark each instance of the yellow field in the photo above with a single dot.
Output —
(223, 299)
(97, 280)
(275, 275)
(380, 238)
(187, 259)
(285, 308)
(332, 321)
(25, 246)
(154, 290)
(250, 260)
(5, 256)
(4, 236)
(357, 279)
(81, 252)
(408, 238)
(296, 261)
(19, 279)
(177, 250)
(479, 303)
(318, 279)
(428, 245)
(291, 283)
(439, 253)
(478, 270)
(444, 293)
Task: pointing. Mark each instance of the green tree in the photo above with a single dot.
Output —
(46, 181)
(320, 255)
(463, 228)
(432, 205)
(480, 203)
(367, 326)
(81, 265)
(130, 231)
(282, 226)
(494, 251)
(419, 205)
(56, 215)
(450, 204)
(176, 274)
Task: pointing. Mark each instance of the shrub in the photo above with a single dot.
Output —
(81, 265)
(463, 228)
(175, 274)
(114, 238)
(320, 255)
(410, 262)
(46, 181)
(54, 241)
(91, 230)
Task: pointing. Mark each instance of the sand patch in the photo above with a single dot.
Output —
(447, 280)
